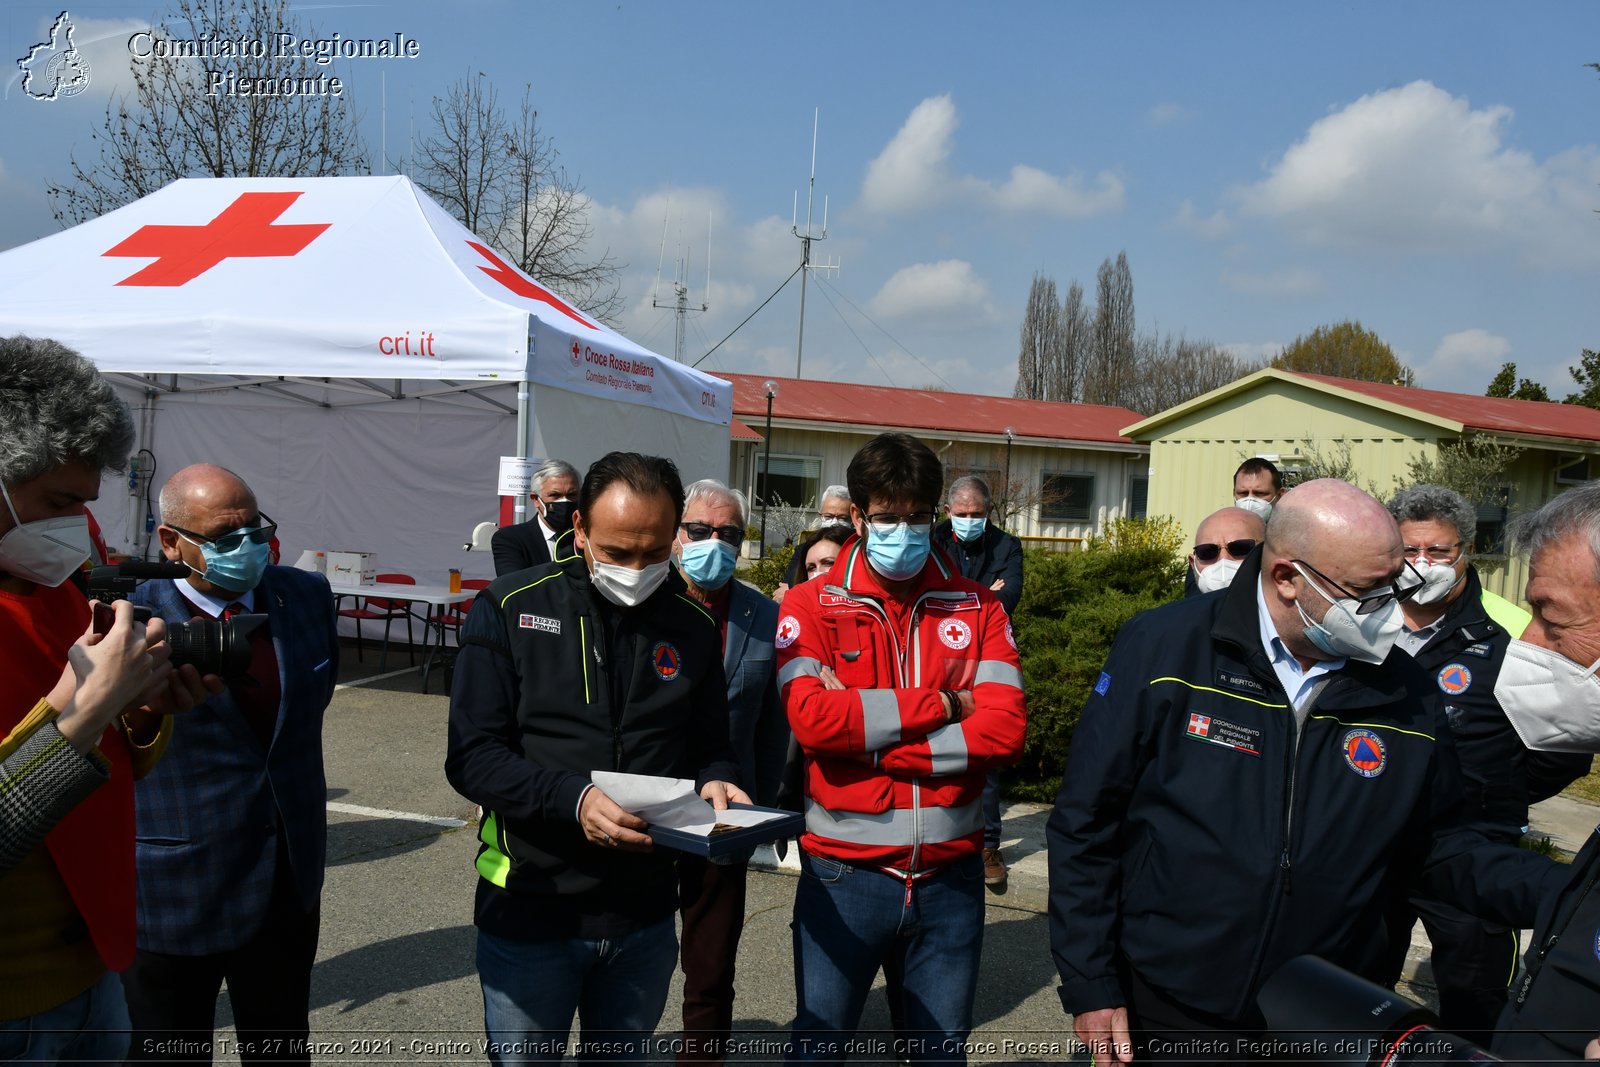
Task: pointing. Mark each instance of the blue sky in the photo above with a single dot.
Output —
(1430, 169)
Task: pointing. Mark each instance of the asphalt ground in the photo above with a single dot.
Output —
(395, 980)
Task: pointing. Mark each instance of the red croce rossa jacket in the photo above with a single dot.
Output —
(887, 783)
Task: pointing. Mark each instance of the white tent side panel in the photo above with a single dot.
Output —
(404, 479)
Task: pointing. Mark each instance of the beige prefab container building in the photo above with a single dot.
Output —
(1069, 467)
(1289, 417)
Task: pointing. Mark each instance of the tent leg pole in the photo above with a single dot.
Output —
(524, 439)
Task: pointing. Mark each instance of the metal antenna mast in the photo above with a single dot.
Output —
(680, 283)
(806, 266)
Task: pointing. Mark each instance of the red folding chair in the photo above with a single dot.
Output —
(386, 610)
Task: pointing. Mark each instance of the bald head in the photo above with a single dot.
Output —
(1344, 536)
(1229, 524)
(1327, 518)
(195, 491)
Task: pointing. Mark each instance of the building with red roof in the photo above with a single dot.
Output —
(1301, 422)
(1056, 470)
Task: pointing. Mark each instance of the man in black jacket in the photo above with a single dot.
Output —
(1548, 689)
(992, 558)
(533, 541)
(1256, 774)
(1458, 632)
(597, 661)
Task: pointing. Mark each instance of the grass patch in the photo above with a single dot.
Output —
(1585, 788)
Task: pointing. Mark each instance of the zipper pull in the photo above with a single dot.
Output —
(909, 883)
(1284, 866)
(1522, 993)
(1549, 943)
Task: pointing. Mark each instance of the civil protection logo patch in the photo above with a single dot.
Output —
(1455, 679)
(664, 658)
(1364, 752)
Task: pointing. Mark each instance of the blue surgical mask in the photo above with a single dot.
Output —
(897, 551)
(238, 571)
(709, 563)
(968, 529)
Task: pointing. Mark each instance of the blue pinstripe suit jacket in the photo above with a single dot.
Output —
(209, 815)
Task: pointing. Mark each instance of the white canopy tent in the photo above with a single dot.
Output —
(355, 353)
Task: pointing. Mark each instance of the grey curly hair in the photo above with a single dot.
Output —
(1435, 503)
(1577, 511)
(55, 409)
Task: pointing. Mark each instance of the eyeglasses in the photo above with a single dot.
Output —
(1237, 549)
(1367, 603)
(1436, 553)
(699, 531)
(889, 518)
(263, 533)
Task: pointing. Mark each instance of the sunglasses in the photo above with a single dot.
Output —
(1375, 601)
(1238, 549)
(699, 531)
(230, 542)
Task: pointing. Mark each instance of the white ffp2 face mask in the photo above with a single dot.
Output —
(1438, 579)
(1552, 702)
(1345, 632)
(626, 587)
(1261, 509)
(1217, 576)
(45, 551)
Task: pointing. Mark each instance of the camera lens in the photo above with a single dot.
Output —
(214, 647)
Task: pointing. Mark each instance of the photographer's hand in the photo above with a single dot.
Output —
(179, 691)
(105, 674)
(1105, 1032)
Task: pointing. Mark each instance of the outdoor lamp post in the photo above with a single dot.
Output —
(1006, 489)
(771, 389)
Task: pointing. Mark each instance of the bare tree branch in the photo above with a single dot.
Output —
(170, 127)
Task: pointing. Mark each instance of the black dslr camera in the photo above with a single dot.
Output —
(213, 646)
(1327, 1015)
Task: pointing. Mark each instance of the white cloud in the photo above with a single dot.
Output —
(1031, 191)
(1165, 113)
(1464, 360)
(1295, 281)
(912, 174)
(909, 175)
(947, 288)
(1212, 226)
(1415, 169)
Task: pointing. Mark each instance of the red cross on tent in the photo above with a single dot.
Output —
(519, 284)
(244, 228)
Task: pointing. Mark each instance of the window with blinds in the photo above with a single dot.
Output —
(794, 480)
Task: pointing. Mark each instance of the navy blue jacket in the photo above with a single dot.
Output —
(1555, 1010)
(996, 554)
(1197, 843)
(209, 816)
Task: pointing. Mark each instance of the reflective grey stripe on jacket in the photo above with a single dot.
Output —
(947, 750)
(799, 667)
(880, 718)
(998, 670)
(895, 827)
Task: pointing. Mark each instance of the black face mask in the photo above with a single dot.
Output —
(558, 516)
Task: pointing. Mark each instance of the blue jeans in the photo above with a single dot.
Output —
(991, 810)
(618, 989)
(848, 921)
(92, 1027)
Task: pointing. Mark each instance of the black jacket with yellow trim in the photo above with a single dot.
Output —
(1199, 843)
(553, 682)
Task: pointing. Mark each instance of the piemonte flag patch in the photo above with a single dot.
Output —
(1215, 731)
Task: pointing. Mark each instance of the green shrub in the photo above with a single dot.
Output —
(1073, 604)
(765, 574)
